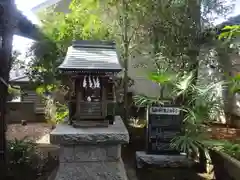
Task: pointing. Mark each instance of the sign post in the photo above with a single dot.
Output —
(164, 123)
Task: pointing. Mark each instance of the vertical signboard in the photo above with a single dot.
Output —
(164, 123)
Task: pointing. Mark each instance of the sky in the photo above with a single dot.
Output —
(21, 44)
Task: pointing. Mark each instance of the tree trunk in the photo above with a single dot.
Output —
(194, 10)
(125, 55)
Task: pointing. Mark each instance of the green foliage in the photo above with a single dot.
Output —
(162, 77)
(229, 32)
(202, 108)
(235, 84)
(24, 160)
(21, 151)
(165, 25)
(44, 88)
(231, 148)
(198, 116)
(143, 100)
(54, 111)
(166, 81)
(60, 30)
(14, 92)
(188, 143)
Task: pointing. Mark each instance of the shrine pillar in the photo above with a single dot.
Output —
(78, 87)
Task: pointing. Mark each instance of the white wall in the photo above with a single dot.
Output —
(140, 66)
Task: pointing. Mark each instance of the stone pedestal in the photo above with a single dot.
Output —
(162, 161)
(90, 153)
(168, 167)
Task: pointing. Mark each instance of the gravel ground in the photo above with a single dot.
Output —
(38, 132)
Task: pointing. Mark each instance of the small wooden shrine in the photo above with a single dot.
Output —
(88, 68)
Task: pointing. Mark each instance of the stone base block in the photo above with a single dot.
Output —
(66, 135)
(162, 161)
(92, 171)
(89, 153)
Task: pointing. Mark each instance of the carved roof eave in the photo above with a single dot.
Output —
(26, 28)
(73, 72)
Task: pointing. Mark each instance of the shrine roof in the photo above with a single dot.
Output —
(91, 56)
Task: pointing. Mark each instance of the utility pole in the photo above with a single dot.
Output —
(7, 12)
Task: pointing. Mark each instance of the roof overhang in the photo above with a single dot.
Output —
(44, 5)
(26, 28)
(91, 56)
(58, 5)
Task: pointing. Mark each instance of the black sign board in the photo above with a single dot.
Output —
(164, 123)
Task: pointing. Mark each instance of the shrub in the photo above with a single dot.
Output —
(20, 151)
(231, 148)
(23, 161)
(55, 112)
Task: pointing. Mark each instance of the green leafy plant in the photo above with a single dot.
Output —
(166, 82)
(234, 83)
(14, 92)
(199, 103)
(229, 32)
(21, 151)
(201, 110)
(54, 111)
(231, 148)
(24, 160)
